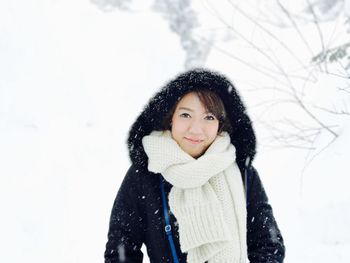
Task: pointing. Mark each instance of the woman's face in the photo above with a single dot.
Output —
(192, 127)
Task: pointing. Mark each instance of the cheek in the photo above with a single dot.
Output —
(177, 128)
(212, 130)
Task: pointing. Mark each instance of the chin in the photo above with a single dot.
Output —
(196, 155)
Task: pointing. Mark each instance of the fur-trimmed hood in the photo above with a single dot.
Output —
(242, 135)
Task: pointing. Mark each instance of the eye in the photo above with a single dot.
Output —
(210, 117)
(185, 115)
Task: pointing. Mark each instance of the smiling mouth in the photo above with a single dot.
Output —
(193, 141)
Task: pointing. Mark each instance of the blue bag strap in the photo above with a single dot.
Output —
(167, 222)
(246, 174)
(246, 186)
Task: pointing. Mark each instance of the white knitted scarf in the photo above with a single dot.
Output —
(207, 197)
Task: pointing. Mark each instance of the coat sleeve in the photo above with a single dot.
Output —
(264, 239)
(126, 230)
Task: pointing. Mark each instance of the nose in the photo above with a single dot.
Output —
(195, 127)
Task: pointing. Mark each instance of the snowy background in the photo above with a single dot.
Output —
(75, 75)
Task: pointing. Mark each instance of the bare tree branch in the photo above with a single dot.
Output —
(318, 28)
(230, 55)
(292, 20)
(267, 32)
(341, 112)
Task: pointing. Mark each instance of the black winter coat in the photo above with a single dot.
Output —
(137, 214)
(137, 218)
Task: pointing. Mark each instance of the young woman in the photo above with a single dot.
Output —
(191, 193)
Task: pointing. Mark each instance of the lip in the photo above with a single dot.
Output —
(193, 141)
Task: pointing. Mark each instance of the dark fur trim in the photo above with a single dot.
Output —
(242, 135)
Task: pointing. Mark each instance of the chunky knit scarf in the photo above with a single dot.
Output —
(207, 197)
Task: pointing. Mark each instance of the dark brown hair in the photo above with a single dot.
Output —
(212, 103)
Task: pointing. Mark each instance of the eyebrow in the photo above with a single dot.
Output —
(188, 109)
(184, 108)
